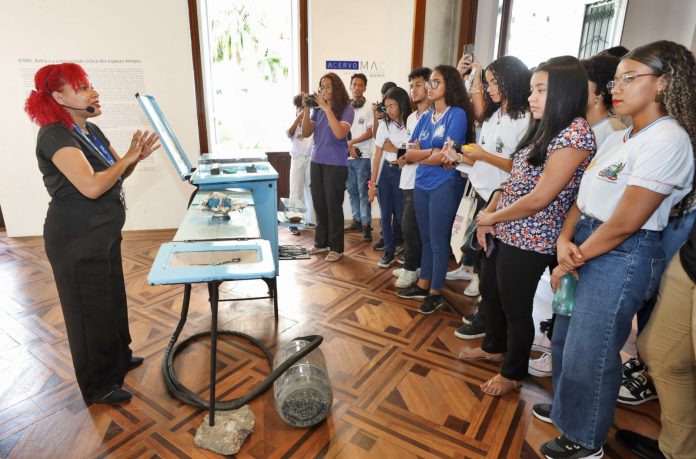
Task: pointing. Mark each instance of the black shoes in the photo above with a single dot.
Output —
(135, 362)
(115, 397)
(430, 304)
(565, 448)
(413, 291)
(641, 446)
(474, 327)
(379, 245)
(355, 226)
(542, 411)
(387, 259)
(294, 231)
(367, 233)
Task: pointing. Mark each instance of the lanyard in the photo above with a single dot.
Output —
(97, 145)
(100, 149)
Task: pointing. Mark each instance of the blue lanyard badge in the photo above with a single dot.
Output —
(97, 145)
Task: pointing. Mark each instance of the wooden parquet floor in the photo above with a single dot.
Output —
(399, 390)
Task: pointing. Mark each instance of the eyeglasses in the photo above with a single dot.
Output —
(432, 84)
(325, 88)
(625, 80)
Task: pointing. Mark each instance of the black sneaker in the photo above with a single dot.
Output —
(474, 328)
(115, 397)
(294, 231)
(387, 259)
(632, 367)
(636, 390)
(639, 445)
(367, 233)
(564, 448)
(355, 226)
(542, 411)
(413, 291)
(430, 304)
(399, 248)
(379, 245)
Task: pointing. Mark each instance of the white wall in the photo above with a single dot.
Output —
(650, 20)
(378, 33)
(486, 20)
(154, 37)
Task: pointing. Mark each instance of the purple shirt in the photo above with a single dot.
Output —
(327, 149)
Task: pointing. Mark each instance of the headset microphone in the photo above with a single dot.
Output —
(88, 109)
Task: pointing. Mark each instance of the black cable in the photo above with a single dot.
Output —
(178, 390)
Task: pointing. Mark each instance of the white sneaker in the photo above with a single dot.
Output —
(473, 288)
(397, 272)
(541, 343)
(406, 279)
(461, 273)
(541, 367)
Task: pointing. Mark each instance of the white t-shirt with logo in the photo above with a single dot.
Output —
(659, 158)
(408, 173)
(499, 136)
(398, 136)
(300, 146)
(606, 127)
(361, 123)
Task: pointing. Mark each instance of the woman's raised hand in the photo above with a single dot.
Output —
(321, 102)
(149, 144)
(136, 148)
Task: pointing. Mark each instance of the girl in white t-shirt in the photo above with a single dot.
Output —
(488, 163)
(616, 251)
(600, 71)
(386, 187)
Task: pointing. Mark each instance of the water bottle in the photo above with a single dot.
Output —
(564, 297)
(303, 395)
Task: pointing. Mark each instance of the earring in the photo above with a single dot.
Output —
(660, 96)
(596, 101)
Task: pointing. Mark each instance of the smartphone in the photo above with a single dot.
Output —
(469, 51)
(400, 152)
(490, 245)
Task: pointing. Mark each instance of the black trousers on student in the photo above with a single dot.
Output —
(508, 282)
(83, 244)
(410, 233)
(328, 186)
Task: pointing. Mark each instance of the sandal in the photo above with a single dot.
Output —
(498, 386)
(333, 256)
(476, 353)
(317, 250)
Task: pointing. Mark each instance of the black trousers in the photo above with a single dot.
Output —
(83, 244)
(410, 233)
(508, 282)
(328, 186)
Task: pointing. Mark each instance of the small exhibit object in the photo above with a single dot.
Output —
(303, 395)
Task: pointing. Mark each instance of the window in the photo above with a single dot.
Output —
(541, 29)
(251, 72)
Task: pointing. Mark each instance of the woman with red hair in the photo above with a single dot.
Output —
(83, 175)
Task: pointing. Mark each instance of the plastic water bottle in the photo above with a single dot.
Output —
(303, 394)
(565, 295)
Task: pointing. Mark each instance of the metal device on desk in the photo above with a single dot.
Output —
(212, 251)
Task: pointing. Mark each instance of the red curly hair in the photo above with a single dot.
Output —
(41, 107)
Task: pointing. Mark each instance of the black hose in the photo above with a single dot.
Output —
(178, 390)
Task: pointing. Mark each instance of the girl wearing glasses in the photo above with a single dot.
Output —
(617, 255)
(526, 217)
(330, 123)
(437, 190)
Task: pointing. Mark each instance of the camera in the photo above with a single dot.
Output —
(358, 152)
(311, 102)
(381, 108)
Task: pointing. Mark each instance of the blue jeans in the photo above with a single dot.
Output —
(435, 211)
(390, 205)
(358, 175)
(673, 236)
(586, 347)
